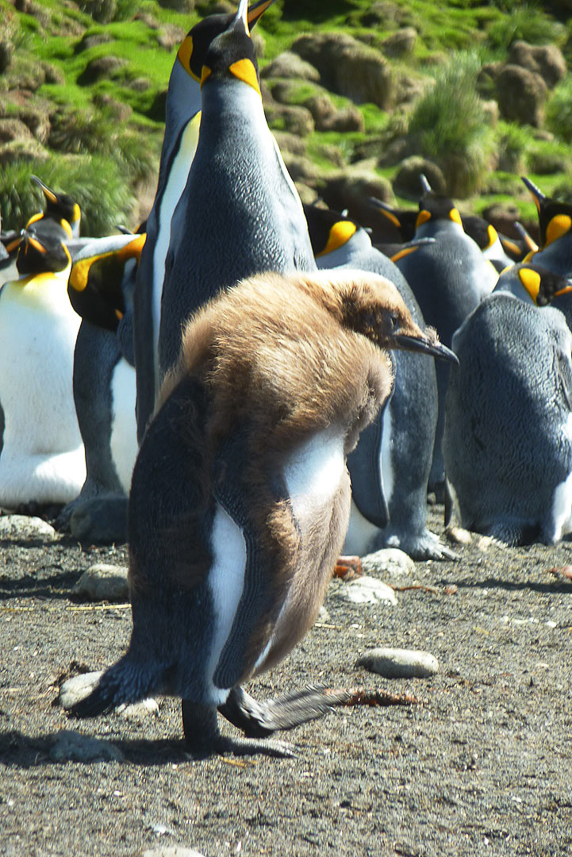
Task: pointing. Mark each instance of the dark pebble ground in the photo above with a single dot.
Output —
(482, 766)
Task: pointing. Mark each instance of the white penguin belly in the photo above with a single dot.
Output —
(174, 188)
(313, 475)
(42, 458)
(562, 497)
(360, 534)
(123, 422)
(226, 582)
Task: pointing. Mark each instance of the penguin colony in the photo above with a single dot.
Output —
(291, 418)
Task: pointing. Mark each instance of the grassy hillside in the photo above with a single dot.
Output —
(82, 97)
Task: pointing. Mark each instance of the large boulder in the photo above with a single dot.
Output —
(292, 66)
(521, 95)
(407, 179)
(546, 60)
(348, 67)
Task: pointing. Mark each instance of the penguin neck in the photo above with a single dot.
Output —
(436, 228)
(42, 288)
(349, 253)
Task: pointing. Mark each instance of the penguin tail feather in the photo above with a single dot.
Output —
(123, 683)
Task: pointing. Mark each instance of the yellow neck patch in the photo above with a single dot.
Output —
(492, 234)
(80, 272)
(557, 227)
(422, 217)
(455, 216)
(390, 216)
(531, 281)
(402, 253)
(244, 70)
(340, 233)
(184, 55)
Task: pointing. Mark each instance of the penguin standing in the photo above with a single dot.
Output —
(240, 213)
(240, 495)
(507, 444)
(182, 121)
(101, 291)
(390, 466)
(448, 277)
(43, 458)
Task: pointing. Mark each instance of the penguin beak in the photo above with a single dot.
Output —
(426, 345)
(241, 19)
(49, 194)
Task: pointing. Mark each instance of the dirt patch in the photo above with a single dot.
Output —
(483, 765)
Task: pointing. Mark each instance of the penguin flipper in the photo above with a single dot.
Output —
(364, 465)
(263, 594)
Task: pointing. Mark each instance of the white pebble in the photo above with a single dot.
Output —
(23, 527)
(388, 561)
(103, 582)
(171, 851)
(367, 590)
(399, 663)
(77, 688)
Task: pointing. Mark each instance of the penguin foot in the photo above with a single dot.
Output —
(203, 737)
(258, 719)
(421, 546)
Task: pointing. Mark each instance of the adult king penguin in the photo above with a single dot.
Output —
(182, 121)
(449, 277)
(43, 457)
(555, 224)
(390, 466)
(507, 444)
(101, 291)
(240, 495)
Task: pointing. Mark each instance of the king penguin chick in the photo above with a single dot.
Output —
(449, 277)
(101, 291)
(43, 457)
(507, 444)
(240, 496)
(390, 466)
(182, 121)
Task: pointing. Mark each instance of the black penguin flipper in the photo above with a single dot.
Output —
(364, 465)
(262, 595)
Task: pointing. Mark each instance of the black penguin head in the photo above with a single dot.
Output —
(231, 55)
(98, 283)
(59, 206)
(434, 207)
(483, 233)
(43, 250)
(328, 229)
(542, 285)
(554, 217)
(194, 48)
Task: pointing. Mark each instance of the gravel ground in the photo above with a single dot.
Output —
(482, 765)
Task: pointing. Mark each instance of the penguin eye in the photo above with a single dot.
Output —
(392, 320)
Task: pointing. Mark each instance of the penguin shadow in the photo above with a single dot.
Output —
(56, 587)
(24, 752)
(550, 587)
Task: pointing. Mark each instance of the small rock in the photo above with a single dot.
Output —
(77, 688)
(171, 851)
(323, 615)
(399, 663)
(458, 535)
(138, 710)
(72, 747)
(388, 561)
(22, 527)
(368, 590)
(103, 582)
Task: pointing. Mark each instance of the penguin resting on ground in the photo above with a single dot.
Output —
(43, 456)
(507, 444)
(240, 496)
